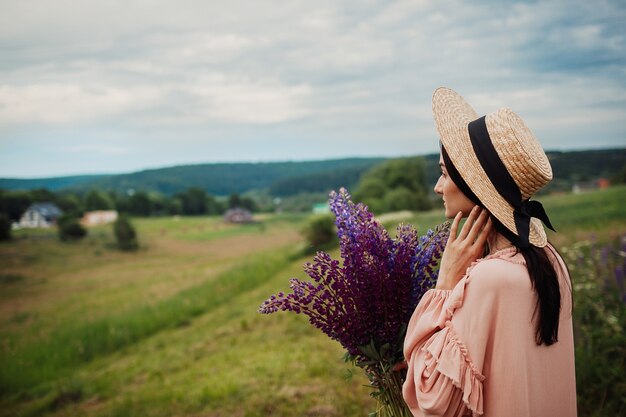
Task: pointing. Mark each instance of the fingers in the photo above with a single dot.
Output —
(484, 233)
(469, 223)
(478, 225)
(455, 226)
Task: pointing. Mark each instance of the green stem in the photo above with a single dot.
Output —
(391, 403)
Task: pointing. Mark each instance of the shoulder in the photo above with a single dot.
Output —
(490, 282)
(500, 274)
(557, 260)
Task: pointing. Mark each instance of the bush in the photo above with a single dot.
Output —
(599, 326)
(402, 198)
(5, 227)
(98, 200)
(398, 184)
(320, 232)
(70, 229)
(125, 234)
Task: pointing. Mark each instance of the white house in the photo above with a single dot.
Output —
(40, 215)
(94, 218)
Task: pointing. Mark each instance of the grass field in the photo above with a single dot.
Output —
(172, 330)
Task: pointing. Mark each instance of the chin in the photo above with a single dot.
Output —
(450, 214)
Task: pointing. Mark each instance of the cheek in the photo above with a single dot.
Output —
(455, 198)
(449, 188)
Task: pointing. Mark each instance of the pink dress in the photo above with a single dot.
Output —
(472, 350)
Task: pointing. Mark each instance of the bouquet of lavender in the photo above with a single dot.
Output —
(365, 302)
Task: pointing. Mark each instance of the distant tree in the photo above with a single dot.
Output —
(398, 184)
(375, 205)
(620, 176)
(401, 198)
(42, 195)
(214, 206)
(71, 204)
(125, 234)
(333, 179)
(372, 187)
(303, 202)
(249, 204)
(175, 206)
(234, 200)
(14, 203)
(159, 204)
(5, 227)
(121, 202)
(98, 200)
(140, 204)
(70, 228)
(320, 232)
(194, 201)
(264, 202)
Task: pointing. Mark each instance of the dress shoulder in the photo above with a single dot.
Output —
(504, 270)
(500, 274)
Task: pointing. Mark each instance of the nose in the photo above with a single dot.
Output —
(438, 187)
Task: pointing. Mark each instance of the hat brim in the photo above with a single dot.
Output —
(452, 114)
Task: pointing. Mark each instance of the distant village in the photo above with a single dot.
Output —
(45, 215)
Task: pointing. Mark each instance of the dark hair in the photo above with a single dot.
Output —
(541, 269)
(546, 285)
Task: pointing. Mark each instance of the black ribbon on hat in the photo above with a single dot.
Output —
(456, 177)
(504, 182)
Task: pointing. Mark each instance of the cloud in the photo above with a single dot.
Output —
(209, 97)
(329, 71)
(69, 103)
(97, 149)
(226, 99)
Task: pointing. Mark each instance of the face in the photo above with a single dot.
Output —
(453, 199)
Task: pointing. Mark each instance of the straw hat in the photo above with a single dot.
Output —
(516, 147)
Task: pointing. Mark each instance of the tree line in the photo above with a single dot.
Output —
(193, 201)
(398, 184)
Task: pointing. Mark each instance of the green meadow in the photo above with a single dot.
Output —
(173, 330)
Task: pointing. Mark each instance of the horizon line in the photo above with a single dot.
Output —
(265, 161)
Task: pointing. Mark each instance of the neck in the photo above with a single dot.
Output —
(496, 242)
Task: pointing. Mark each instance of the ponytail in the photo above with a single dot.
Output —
(545, 282)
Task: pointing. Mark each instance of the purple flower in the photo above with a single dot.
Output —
(365, 300)
(426, 260)
(619, 277)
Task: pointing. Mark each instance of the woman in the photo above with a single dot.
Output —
(494, 337)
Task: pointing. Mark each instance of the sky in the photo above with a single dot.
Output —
(114, 86)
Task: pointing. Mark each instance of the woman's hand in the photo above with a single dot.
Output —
(461, 251)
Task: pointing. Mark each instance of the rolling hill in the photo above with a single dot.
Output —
(289, 178)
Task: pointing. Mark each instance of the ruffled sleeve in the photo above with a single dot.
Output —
(429, 315)
(445, 347)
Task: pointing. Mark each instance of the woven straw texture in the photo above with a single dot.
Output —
(515, 144)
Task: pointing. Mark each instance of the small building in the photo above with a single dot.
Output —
(40, 215)
(238, 215)
(603, 183)
(94, 218)
(580, 187)
(321, 208)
